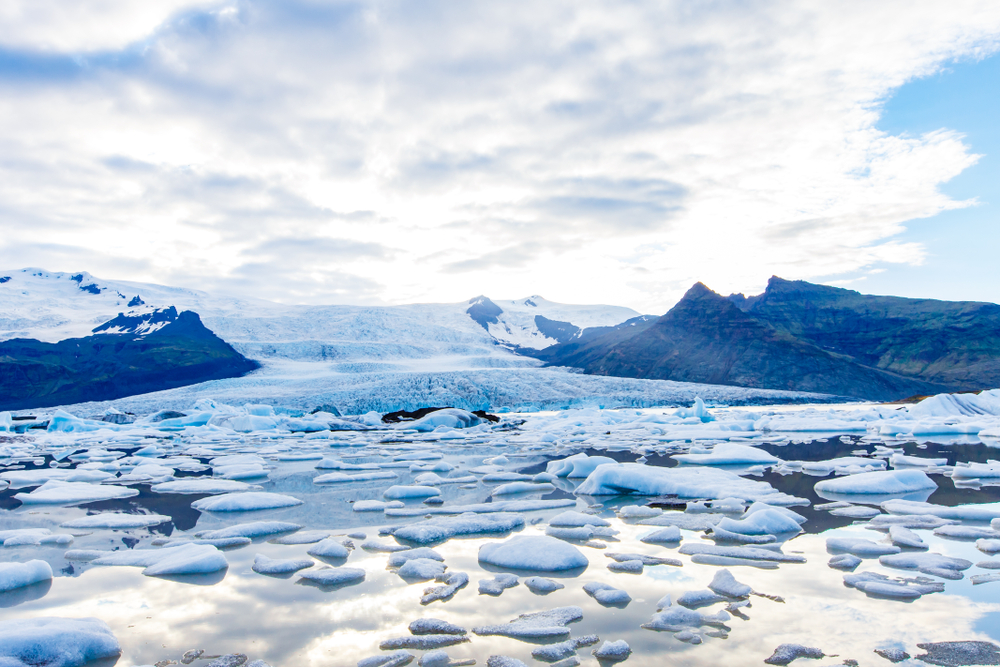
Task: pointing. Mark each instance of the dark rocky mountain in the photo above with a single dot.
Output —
(158, 350)
(805, 337)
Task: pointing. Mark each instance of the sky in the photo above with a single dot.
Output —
(380, 152)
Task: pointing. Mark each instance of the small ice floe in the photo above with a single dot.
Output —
(116, 521)
(973, 470)
(252, 529)
(840, 465)
(18, 479)
(633, 566)
(434, 626)
(676, 619)
(709, 554)
(400, 558)
(497, 584)
(245, 502)
(302, 537)
(966, 532)
(278, 566)
(638, 512)
(410, 492)
(442, 659)
(607, 595)
(724, 583)
(503, 661)
(542, 586)
(535, 626)
(786, 653)
(846, 562)
(203, 485)
(892, 654)
(759, 523)
(903, 461)
(240, 471)
(422, 642)
(727, 453)
(937, 565)
(960, 653)
(698, 599)
(532, 552)
(177, 560)
(882, 522)
(988, 546)
(505, 476)
(579, 534)
(452, 583)
(55, 492)
(375, 505)
(334, 576)
(880, 585)
(577, 466)
(859, 547)
(441, 529)
(885, 482)
(337, 464)
(62, 642)
(394, 659)
(421, 569)
(18, 575)
(668, 535)
(433, 479)
(617, 651)
(341, 478)
(856, 512)
(23, 537)
(560, 650)
(513, 488)
(974, 512)
(383, 547)
(484, 508)
(904, 537)
(643, 558)
(688, 637)
(977, 579)
(989, 564)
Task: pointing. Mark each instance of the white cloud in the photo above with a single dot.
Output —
(586, 151)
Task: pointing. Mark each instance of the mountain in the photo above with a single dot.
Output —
(130, 354)
(804, 337)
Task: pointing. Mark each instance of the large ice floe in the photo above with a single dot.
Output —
(624, 521)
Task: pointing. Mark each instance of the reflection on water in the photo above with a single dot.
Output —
(284, 623)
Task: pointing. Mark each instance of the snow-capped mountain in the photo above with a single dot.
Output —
(51, 306)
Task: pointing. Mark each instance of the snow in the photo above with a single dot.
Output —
(245, 502)
(17, 575)
(886, 482)
(56, 642)
(116, 521)
(55, 492)
(533, 552)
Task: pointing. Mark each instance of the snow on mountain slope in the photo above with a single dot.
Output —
(537, 323)
(51, 306)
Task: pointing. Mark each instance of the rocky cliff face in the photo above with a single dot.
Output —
(106, 366)
(804, 337)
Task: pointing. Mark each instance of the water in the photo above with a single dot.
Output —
(282, 621)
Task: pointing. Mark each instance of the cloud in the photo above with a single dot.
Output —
(588, 151)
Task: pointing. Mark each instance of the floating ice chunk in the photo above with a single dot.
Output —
(697, 599)
(892, 654)
(786, 653)
(542, 586)
(583, 533)
(240, 471)
(885, 482)
(483, 508)
(369, 505)
(382, 547)
(537, 625)
(56, 642)
(453, 582)
(965, 532)
(497, 584)
(859, 547)
(522, 487)
(32, 537)
(668, 535)
(676, 619)
(339, 477)
(434, 626)
(841, 464)
(856, 512)
(334, 576)
(448, 417)
(988, 546)
(433, 479)
(748, 553)
(532, 552)
(971, 470)
(974, 512)
(441, 659)
(505, 476)
(302, 537)
(503, 661)
(989, 564)
(882, 522)
(723, 536)
(400, 558)
(880, 585)
(903, 461)
(904, 537)
(252, 530)
(264, 565)
(55, 492)
(329, 548)
(560, 650)
(696, 411)
(337, 464)
(643, 558)
(964, 405)
(24, 478)
(934, 564)
(410, 492)
(18, 575)
(444, 528)
(245, 502)
(422, 642)
(394, 659)
(724, 583)
(688, 482)
(727, 453)
(848, 562)
(421, 569)
(616, 651)
(203, 485)
(960, 653)
(576, 466)
(606, 594)
(627, 566)
(638, 511)
(181, 559)
(977, 579)
(768, 521)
